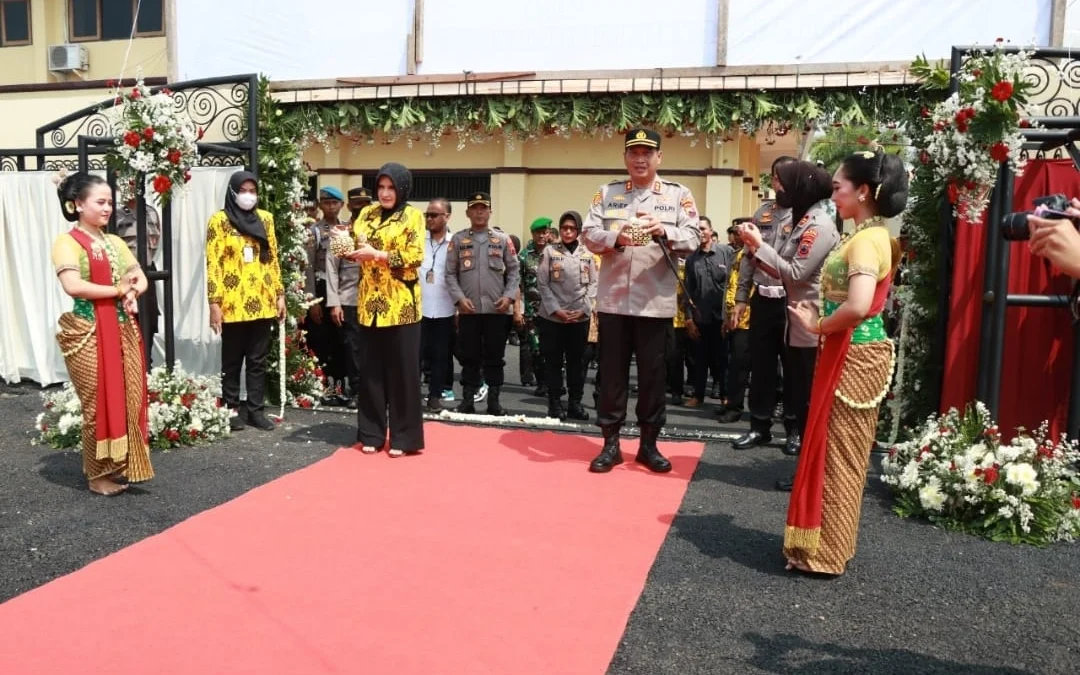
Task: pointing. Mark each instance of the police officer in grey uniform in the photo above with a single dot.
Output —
(768, 316)
(342, 285)
(482, 278)
(630, 224)
(566, 282)
(795, 258)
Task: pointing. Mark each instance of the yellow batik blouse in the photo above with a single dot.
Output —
(389, 292)
(68, 254)
(869, 252)
(246, 291)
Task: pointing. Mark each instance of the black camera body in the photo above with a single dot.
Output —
(1014, 226)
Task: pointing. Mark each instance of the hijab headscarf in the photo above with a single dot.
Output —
(805, 184)
(246, 222)
(402, 180)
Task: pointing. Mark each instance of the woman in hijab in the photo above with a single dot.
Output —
(566, 280)
(243, 286)
(389, 235)
(797, 258)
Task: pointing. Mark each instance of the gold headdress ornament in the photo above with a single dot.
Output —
(59, 177)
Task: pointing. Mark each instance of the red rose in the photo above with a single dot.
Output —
(162, 184)
(132, 138)
(187, 399)
(1002, 91)
(999, 152)
(135, 93)
(925, 112)
(954, 193)
(1025, 124)
(304, 403)
(970, 185)
(1076, 502)
(961, 124)
(174, 156)
(154, 397)
(990, 476)
(173, 435)
(924, 157)
(976, 72)
(148, 133)
(939, 126)
(187, 176)
(193, 433)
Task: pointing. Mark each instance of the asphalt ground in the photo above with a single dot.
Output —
(916, 599)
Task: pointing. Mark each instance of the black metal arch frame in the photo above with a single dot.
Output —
(1056, 132)
(228, 106)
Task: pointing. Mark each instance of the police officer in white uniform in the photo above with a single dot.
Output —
(635, 226)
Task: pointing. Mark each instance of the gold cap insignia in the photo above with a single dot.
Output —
(640, 135)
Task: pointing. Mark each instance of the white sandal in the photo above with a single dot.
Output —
(368, 450)
(396, 453)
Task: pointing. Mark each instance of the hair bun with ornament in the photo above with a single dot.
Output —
(75, 187)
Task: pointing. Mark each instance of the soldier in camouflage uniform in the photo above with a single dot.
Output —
(525, 311)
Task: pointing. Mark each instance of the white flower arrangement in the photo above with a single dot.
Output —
(154, 138)
(182, 409)
(957, 472)
(977, 129)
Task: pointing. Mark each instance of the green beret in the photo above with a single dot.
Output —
(540, 224)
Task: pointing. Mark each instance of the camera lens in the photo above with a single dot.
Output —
(1014, 226)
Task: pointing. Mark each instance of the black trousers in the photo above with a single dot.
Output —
(564, 343)
(390, 385)
(349, 330)
(436, 344)
(324, 338)
(680, 362)
(738, 368)
(798, 381)
(711, 357)
(768, 344)
(245, 344)
(482, 347)
(620, 338)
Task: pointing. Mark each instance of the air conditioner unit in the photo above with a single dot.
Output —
(67, 58)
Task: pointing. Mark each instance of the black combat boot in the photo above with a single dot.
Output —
(493, 406)
(576, 411)
(794, 437)
(468, 404)
(648, 454)
(555, 408)
(611, 455)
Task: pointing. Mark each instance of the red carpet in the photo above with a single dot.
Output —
(494, 552)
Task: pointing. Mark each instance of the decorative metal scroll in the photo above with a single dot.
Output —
(9, 163)
(1055, 88)
(219, 108)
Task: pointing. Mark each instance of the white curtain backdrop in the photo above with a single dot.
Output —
(32, 299)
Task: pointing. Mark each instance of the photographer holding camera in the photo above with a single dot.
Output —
(1054, 236)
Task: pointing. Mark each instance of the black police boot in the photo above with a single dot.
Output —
(785, 484)
(576, 411)
(794, 438)
(493, 405)
(467, 405)
(434, 405)
(611, 455)
(648, 454)
(555, 408)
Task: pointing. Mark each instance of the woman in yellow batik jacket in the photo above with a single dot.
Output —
(243, 287)
(390, 247)
(100, 338)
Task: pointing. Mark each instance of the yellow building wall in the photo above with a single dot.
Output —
(538, 177)
(22, 113)
(48, 26)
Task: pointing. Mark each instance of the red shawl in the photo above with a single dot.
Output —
(803, 529)
(111, 420)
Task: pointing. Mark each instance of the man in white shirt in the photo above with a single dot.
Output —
(437, 323)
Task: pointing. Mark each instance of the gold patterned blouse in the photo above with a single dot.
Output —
(390, 291)
(68, 254)
(236, 279)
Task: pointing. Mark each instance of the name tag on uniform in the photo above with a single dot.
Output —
(616, 213)
(249, 255)
(556, 271)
